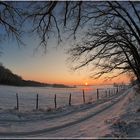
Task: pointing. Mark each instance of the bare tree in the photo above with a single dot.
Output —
(52, 18)
(112, 40)
(112, 43)
(10, 20)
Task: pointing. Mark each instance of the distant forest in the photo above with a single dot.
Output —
(9, 78)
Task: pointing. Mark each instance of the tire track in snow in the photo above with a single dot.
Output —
(45, 130)
(76, 110)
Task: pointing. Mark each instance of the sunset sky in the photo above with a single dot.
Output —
(50, 67)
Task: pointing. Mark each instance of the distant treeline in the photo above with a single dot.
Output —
(8, 78)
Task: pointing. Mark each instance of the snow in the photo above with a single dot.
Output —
(128, 124)
(107, 117)
(27, 96)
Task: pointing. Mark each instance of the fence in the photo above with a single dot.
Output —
(36, 101)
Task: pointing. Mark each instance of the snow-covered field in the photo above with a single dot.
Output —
(91, 120)
(27, 96)
(127, 125)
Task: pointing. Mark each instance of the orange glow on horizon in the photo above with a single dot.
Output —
(70, 78)
(53, 68)
(76, 81)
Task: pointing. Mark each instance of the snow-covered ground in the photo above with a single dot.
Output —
(91, 120)
(128, 124)
(27, 96)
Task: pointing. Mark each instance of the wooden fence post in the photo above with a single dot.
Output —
(83, 96)
(106, 93)
(17, 101)
(109, 93)
(97, 93)
(55, 101)
(70, 99)
(117, 90)
(37, 102)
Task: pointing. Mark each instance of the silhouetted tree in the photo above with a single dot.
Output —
(10, 21)
(7, 77)
(52, 18)
(112, 40)
(112, 44)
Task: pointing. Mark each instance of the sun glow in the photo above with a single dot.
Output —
(86, 83)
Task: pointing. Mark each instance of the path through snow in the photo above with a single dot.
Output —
(89, 120)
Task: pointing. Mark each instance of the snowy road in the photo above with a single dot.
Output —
(86, 121)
